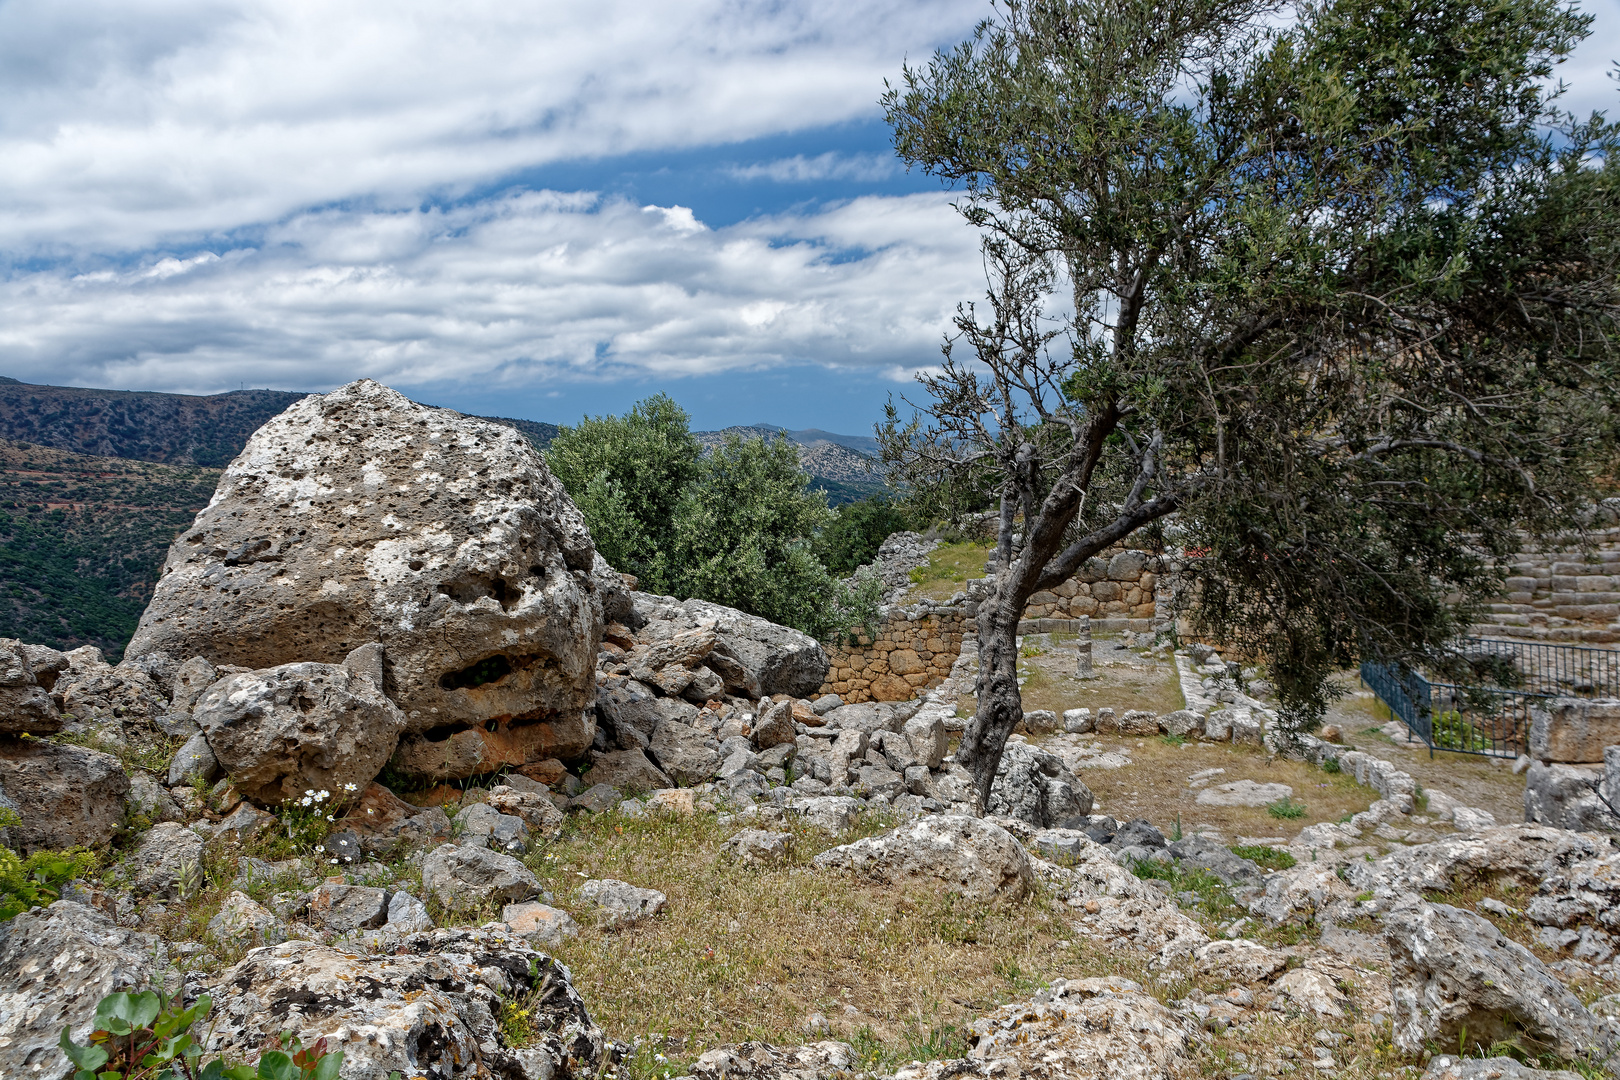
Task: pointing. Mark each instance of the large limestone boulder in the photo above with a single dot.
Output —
(1503, 854)
(1452, 971)
(299, 727)
(58, 962)
(360, 516)
(977, 859)
(432, 1009)
(65, 795)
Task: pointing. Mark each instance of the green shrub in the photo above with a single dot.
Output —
(1267, 858)
(1286, 807)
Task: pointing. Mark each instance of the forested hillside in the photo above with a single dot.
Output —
(82, 540)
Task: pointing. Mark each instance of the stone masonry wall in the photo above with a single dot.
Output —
(1561, 596)
(916, 646)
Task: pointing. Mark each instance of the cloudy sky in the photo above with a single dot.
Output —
(524, 208)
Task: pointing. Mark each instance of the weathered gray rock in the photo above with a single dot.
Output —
(972, 857)
(761, 847)
(149, 799)
(1202, 853)
(834, 813)
(431, 1009)
(407, 915)
(618, 903)
(1243, 793)
(1566, 797)
(536, 810)
(1034, 785)
(1509, 854)
(463, 878)
(597, 799)
(26, 707)
(482, 825)
(188, 682)
(359, 516)
(95, 693)
(242, 920)
(775, 726)
(1574, 730)
(1182, 722)
(928, 737)
(1106, 1027)
(628, 712)
(539, 924)
(65, 795)
(1239, 961)
(388, 825)
(1301, 891)
(754, 657)
(825, 1060)
(344, 909)
(1452, 970)
(58, 963)
(628, 771)
(1449, 1067)
(194, 758)
(168, 862)
(285, 730)
(687, 755)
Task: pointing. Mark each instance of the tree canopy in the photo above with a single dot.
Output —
(737, 525)
(1333, 283)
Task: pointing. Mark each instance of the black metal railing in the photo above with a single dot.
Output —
(1487, 720)
(1540, 668)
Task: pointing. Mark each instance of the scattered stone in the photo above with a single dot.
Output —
(462, 878)
(66, 796)
(687, 755)
(834, 813)
(618, 903)
(1078, 721)
(534, 808)
(1239, 961)
(1447, 1067)
(432, 1009)
(148, 799)
(972, 857)
(539, 924)
(344, 909)
(762, 1061)
(168, 862)
(194, 758)
(597, 799)
(775, 726)
(1202, 853)
(759, 846)
(1452, 971)
(1313, 991)
(407, 915)
(26, 707)
(61, 961)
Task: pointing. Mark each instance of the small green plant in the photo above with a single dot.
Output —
(1172, 739)
(147, 1036)
(37, 879)
(1175, 831)
(1286, 807)
(1267, 858)
(305, 822)
(1420, 799)
(1331, 765)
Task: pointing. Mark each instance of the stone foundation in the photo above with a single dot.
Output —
(1575, 747)
(912, 653)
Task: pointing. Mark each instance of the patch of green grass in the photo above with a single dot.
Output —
(1286, 808)
(1267, 858)
(1213, 897)
(1172, 739)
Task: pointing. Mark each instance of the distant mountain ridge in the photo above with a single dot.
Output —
(210, 430)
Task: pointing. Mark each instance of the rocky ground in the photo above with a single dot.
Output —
(687, 865)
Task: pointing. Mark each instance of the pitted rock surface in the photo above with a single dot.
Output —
(1034, 785)
(432, 1009)
(58, 962)
(360, 516)
(298, 727)
(975, 858)
(65, 795)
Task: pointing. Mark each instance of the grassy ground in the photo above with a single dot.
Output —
(949, 567)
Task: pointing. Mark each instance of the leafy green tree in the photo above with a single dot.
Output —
(1334, 283)
(856, 532)
(626, 473)
(742, 536)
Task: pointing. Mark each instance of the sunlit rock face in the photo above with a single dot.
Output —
(360, 516)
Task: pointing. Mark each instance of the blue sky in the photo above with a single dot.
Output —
(524, 209)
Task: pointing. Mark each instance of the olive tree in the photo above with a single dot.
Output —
(1333, 284)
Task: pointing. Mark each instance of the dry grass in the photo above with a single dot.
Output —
(1154, 786)
(949, 567)
(1125, 679)
(750, 953)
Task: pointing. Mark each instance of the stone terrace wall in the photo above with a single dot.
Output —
(916, 646)
(913, 652)
(1561, 596)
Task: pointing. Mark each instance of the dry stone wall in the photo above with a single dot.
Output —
(915, 646)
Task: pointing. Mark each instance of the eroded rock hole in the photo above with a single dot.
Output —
(487, 670)
(470, 588)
